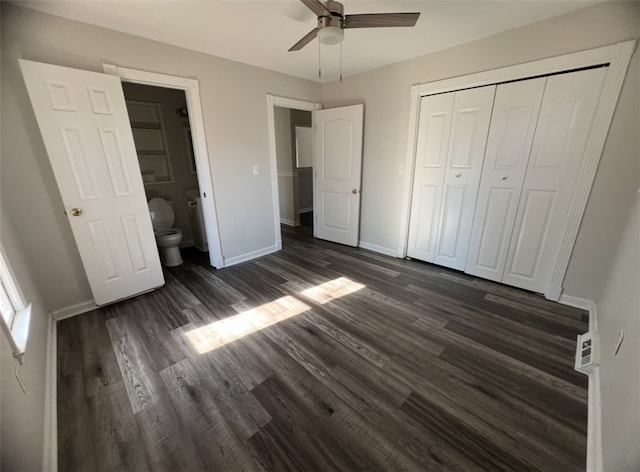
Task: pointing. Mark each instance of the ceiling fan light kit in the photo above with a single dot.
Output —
(332, 22)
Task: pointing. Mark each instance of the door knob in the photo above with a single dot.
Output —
(459, 175)
(76, 211)
(505, 177)
(354, 191)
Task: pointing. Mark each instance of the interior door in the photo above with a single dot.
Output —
(85, 127)
(513, 124)
(467, 142)
(566, 116)
(432, 149)
(337, 171)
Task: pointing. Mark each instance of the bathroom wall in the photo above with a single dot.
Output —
(285, 158)
(304, 174)
(179, 155)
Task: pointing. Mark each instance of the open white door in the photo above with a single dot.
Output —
(85, 127)
(337, 172)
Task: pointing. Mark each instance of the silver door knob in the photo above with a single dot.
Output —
(459, 175)
(505, 177)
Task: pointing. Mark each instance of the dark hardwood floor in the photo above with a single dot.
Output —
(328, 358)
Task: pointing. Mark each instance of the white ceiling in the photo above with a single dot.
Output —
(260, 32)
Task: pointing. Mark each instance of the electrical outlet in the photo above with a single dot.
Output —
(256, 170)
(401, 169)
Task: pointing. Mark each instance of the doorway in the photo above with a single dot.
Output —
(291, 156)
(161, 129)
(190, 89)
(294, 160)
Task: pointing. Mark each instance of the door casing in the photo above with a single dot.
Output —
(191, 89)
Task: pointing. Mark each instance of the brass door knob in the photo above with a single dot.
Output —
(76, 211)
(354, 191)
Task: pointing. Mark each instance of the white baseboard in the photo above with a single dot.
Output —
(74, 310)
(50, 443)
(594, 423)
(594, 405)
(288, 222)
(375, 248)
(250, 255)
(305, 210)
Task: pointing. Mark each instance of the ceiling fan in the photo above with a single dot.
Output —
(332, 22)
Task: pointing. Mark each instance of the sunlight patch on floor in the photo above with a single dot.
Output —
(217, 334)
(331, 290)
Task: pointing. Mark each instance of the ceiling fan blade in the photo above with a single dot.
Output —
(305, 40)
(316, 7)
(378, 20)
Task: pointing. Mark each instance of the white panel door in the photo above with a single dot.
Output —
(467, 142)
(513, 124)
(84, 124)
(432, 149)
(566, 116)
(337, 170)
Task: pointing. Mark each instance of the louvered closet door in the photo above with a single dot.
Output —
(566, 116)
(468, 139)
(431, 159)
(513, 124)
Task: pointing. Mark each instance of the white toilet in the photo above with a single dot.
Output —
(167, 238)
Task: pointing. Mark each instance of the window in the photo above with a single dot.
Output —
(16, 314)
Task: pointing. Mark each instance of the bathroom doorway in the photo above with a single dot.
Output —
(161, 129)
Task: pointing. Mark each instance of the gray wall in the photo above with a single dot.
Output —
(305, 175)
(287, 191)
(183, 179)
(235, 118)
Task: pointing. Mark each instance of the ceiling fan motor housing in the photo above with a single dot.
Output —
(337, 15)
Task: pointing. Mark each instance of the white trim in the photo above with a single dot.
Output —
(594, 423)
(272, 102)
(50, 443)
(305, 210)
(251, 255)
(617, 56)
(387, 251)
(287, 174)
(578, 302)
(191, 89)
(407, 188)
(74, 310)
(288, 222)
(594, 404)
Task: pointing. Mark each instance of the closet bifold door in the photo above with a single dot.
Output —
(513, 124)
(452, 135)
(431, 159)
(566, 116)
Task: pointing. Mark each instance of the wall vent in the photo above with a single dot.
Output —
(585, 353)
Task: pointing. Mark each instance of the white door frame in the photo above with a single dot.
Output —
(284, 102)
(616, 55)
(191, 89)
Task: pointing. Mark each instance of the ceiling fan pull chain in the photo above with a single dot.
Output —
(340, 62)
(319, 62)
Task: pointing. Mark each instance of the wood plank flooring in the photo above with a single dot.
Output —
(395, 365)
